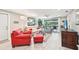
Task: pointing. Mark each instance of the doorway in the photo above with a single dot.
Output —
(3, 27)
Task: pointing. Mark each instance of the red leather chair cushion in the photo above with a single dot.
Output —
(23, 36)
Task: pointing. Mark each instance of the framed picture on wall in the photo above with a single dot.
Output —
(16, 22)
(31, 21)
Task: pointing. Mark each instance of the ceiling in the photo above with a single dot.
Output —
(50, 12)
(42, 12)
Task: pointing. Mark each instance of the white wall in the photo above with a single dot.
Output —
(77, 21)
(71, 20)
(14, 26)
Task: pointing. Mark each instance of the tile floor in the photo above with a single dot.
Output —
(53, 42)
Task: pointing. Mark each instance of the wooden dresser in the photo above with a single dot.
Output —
(69, 39)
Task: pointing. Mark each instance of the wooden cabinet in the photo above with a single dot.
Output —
(69, 39)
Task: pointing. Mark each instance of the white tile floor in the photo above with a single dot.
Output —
(52, 43)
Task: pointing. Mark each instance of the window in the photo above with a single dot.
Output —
(51, 24)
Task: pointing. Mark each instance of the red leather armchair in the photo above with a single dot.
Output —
(18, 38)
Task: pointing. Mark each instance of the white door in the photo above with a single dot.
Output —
(3, 27)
